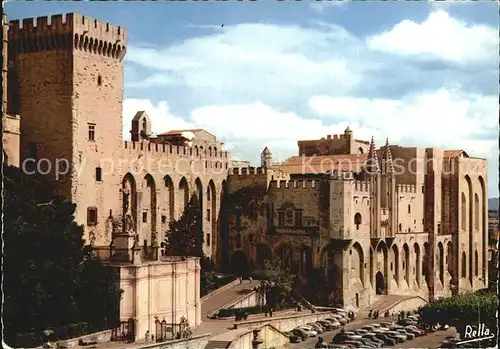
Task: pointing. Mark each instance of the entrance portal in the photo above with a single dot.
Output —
(380, 283)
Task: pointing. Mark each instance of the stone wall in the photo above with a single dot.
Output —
(167, 290)
(249, 300)
(285, 323)
(195, 342)
(269, 335)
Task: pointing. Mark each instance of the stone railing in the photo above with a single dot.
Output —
(221, 289)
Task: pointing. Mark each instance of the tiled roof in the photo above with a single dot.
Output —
(179, 132)
(322, 164)
(454, 153)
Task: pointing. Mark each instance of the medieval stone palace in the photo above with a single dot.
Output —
(376, 220)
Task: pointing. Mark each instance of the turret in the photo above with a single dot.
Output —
(373, 169)
(266, 158)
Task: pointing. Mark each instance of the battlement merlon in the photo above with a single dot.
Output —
(304, 184)
(72, 23)
(406, 188)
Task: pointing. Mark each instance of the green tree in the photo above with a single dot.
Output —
(49, 278)
(277, 282)
(462, 310)
(185, 236)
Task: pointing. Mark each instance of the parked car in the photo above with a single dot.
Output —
(338, 318)
(361, 331)
(417, 331)
(316, 327)
(334, 322)
(309, 330)
(356, 344)
(406, 333)
(388, 340)
(329, 326)
(339, 338)
(400, 338)
(368, 343)
(373, 338)
(369, 328)
(406, 322)
(303, 335)
(387, 324)
(292, 337)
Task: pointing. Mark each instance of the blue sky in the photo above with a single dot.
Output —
(277, 72)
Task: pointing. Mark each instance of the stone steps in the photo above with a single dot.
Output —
(386, 303)
(217, 345)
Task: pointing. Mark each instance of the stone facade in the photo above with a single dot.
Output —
(65, 75)
(399, 220)
(10, 122)
(393, 220)
(164, 290)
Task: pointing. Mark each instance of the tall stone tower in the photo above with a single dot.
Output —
(266, 158)
(67, 82)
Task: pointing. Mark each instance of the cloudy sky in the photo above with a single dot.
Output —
(271, 73)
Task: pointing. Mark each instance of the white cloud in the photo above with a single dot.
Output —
(439, 36)
(441, 118)
(322, 5)
(265, 57)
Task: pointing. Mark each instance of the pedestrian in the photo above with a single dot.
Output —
(241, 280)
(250, 279)
(147, 336)
(153, 338)
(370, 314)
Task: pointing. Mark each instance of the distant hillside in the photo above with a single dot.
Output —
(493, 204)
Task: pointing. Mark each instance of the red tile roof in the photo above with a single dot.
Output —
(322, 164)
(179, 132)
(454, 153)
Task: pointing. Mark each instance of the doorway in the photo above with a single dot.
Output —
(380, 283)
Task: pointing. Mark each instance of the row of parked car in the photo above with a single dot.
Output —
(337, 319)
(384, 334)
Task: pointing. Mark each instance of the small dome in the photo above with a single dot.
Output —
(348, 130)
(266, 151)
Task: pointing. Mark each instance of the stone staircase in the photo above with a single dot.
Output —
(386, 303)
(217, 345)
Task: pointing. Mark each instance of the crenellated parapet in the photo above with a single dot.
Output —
(67, 31)
(247, 171)
(306, 184)
(406, 188)
(361, 186)
(162, 149)
(337, 136)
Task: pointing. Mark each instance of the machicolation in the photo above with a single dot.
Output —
(67, 31)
